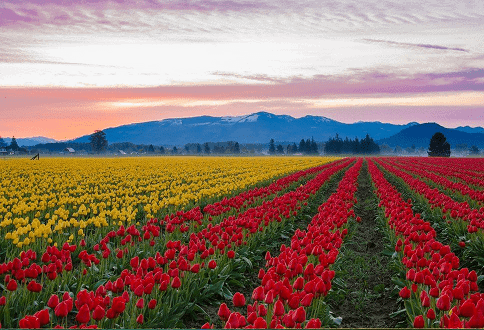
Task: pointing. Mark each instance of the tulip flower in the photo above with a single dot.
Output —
(98, 313)
(443, 303)
(43, 316)
(419, 322)
(12, 285)
(152, 304)
(223, 312)
(140, 319)
(83, 316)
(238, 300)
(62, 309)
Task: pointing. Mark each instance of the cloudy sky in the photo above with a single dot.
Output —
(70, 67)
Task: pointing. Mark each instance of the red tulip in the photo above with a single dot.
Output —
(431, 314)
(300, 315)
(61, 310)
(231, 254)
(176, 283)
(468, 308)
(3, 301)
(443, 303)
(98, 313)
(83, 316)
(313, 324)
(238, 299)
(262, 310)
(152, 304)
(279, 308)
(258, 294)
(269, 298)
(140, 319)
(223, 312)
(212, 264)
(12, 285)
(405, 293)
(419, 322)
(53, 301)
(134, 262)
(119, 304)
(140, 303)
(43, 316)
(260, 323)
(29, 322)
(139, 291)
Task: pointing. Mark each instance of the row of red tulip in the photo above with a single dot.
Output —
(168, 270)
(425, 171)
(300, 275)
(454, 169)
(471, 166)
(437, 199)
(248, 197)
(181, 219)
(439, 293)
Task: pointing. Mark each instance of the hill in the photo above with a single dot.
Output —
(258, 127)
(420, 135)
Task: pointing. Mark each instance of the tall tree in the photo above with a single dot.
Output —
(236, 148)
(98, 141)
(13, 144)
(280, 149)
(199, 148)
(302, 146)
(2, 143)
(439, 147)
(206, 148)
(272, 147)
(151, 149)
(474, 150)
(162, 150)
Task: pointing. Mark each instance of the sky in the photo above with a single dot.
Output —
(68, 68)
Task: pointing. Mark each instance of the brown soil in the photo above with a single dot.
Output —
(365, 298)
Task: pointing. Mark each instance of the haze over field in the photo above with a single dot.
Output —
(70, 67)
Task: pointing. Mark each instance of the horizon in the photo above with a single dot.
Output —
(69, 68)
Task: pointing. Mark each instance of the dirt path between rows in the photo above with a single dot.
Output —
(363, 298)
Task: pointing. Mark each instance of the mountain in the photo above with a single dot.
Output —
(469, 129)
(31, 141)
(420, 135)
(258, 127)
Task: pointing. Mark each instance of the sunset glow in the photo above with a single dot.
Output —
(68, 68)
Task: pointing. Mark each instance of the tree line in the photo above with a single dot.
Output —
(365, 146)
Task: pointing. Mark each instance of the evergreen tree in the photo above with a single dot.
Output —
(199, 148)
(280, 149)
(294, 148)
(206, 148)
(187, 148)
(439, 147)
(13, 144)
(2, 143)
(151, 149)
(314, 147)
(162, 150)
(174, 150)
(236, 148)
(474, 150)
(302, 146)
(272, 147)
(98, 141)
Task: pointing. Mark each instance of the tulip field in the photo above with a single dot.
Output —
(236, 242)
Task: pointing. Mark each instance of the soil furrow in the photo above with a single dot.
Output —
(363, 295)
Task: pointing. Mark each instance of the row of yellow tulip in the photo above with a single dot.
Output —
(63, 195)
